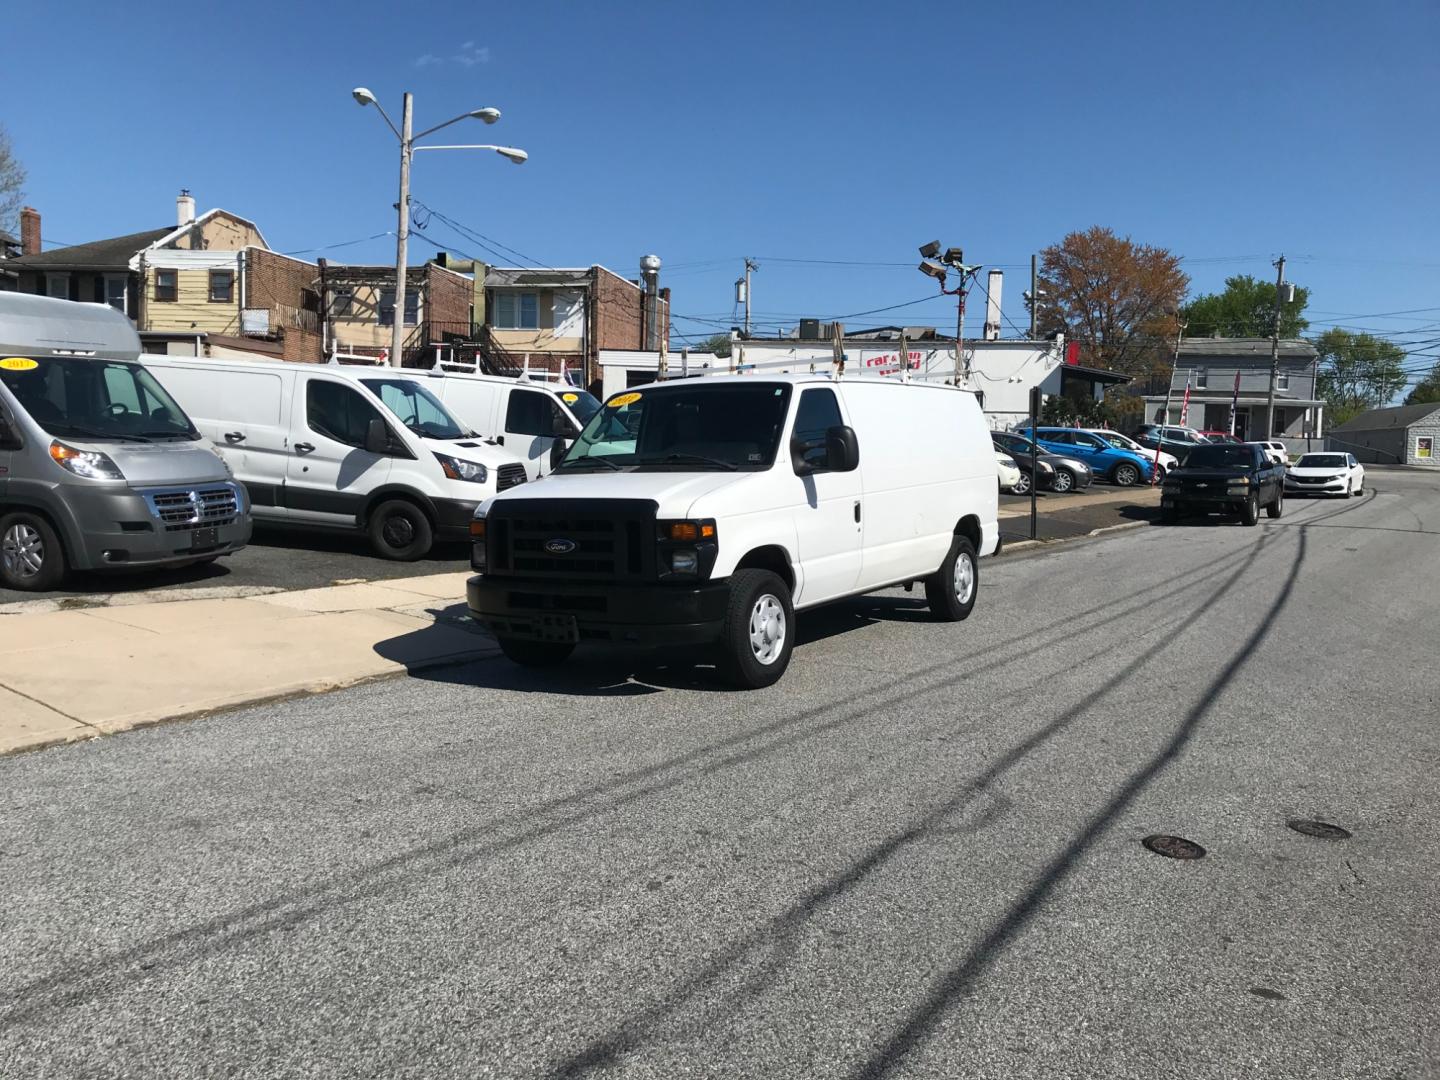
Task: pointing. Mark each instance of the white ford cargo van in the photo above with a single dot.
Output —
(365, 449)
(100, 469)
(708, 511)
(535, 421)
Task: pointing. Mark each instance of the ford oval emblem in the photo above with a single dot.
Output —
(560, 546)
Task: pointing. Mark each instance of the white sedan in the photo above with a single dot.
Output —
(1008, 471)
(1326, 474)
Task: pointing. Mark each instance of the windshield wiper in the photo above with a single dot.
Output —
(588, 459)
(697, 458)
(170, 434)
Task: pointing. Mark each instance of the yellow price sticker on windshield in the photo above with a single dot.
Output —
(18, 363)
(623, 399)
(569, 399)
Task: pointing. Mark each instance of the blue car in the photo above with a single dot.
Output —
(1122, 467)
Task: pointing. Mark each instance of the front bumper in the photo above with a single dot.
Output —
(1218, 499)
(1329, 487)
(534, 608)
(452, 518)
(119, 530)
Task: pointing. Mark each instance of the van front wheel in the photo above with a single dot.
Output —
(952, 589)
(759, 631)
(31, 558)
(399, 530)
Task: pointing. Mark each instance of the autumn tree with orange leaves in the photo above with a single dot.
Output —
(1114, 296)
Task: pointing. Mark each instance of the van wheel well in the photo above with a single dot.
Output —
(8, 508)
(969, 527)
(773, 559)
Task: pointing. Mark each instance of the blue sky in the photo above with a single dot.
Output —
(835, 132)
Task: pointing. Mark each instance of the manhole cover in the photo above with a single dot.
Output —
(1323, 829)
(1174, 847)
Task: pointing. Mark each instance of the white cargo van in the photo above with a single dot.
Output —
(533, 420)
(709, 511)
(361, 449)
(100, 468)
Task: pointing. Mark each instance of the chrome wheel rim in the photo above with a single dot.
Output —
(1062, 482)
(1021, 486)
(22, 551)
(1125, 475)
(767, 629)
(964, 578)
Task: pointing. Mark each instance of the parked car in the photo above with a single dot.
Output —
(1224, 478)
(1326, 474)
(1009, 472)
(1167, 461)
(1176, 441)
(1221, 437)
(706, 512)
(366, 450)
(1122, 467)
(533, 420)
(1049, 471)
(1275, 451)
(100, 468)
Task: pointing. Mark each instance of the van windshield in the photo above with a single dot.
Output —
(691, 428)
(583, 404)
(417, 408)
(84, 398)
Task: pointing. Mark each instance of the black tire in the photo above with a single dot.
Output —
(1276, 508)
(1064, 481)
(31, 557)
(1125, 475)
(1250, 512)
(759, 630)
(1021, 486)
(399, 530)
(951, 590)
(1350, 490)
(1169, 514)
(528, 653)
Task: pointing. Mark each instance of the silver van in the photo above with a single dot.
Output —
(99, 467)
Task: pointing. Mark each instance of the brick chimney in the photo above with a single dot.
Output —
(29, 231)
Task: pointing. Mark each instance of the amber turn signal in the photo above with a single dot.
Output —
(686, 531)
(477, 528)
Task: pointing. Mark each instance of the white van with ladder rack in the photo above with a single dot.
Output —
(707, 512)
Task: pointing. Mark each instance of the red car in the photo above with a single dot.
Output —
(1221, 437)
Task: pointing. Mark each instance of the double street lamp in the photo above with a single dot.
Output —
(364, 97)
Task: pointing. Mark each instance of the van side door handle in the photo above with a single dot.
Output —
(857, 511)
(304, 448)
(234, 436)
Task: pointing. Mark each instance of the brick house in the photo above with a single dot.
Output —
(359, 305)
(205, 286)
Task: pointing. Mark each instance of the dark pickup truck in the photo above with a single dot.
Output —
(1224, 478)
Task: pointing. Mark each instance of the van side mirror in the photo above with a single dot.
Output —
(377, 437)
(842, 449)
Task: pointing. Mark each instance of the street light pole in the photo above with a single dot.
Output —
(402, 233)
(1274, 350)
(403, 133)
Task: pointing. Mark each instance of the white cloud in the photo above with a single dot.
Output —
(470, 55)
(428, 60)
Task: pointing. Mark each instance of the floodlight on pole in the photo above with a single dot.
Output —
(937, 272)
(930, 250)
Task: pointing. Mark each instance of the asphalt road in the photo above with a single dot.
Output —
(918, 856)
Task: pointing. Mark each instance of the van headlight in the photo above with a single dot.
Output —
(460, 469)
(90, 464)
(687, 548)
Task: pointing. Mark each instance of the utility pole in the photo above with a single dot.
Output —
(1034, 292)
(402, 232)
(743, 286)
(1275, 349)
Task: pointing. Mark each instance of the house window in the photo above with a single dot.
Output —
(222, 286)
(343, 304)
(1283, 380)
(58, 286)
(167, 286)
(1202, 378)
(115, 291)
(517, 311)
(386, 311)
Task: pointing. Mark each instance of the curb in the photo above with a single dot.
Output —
(1023, 545)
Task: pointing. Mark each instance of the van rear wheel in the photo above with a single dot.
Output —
(399, 530)
(759, 631)
(31, 558)
(951, 590)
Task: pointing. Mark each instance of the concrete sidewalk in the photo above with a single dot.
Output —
(71, 675)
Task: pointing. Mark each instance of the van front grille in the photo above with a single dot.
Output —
(583, 540)
(508, 476)
(183, 509)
